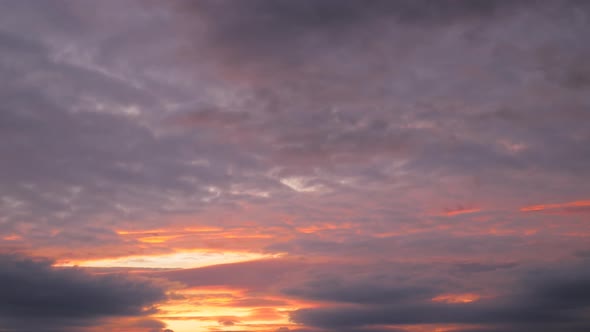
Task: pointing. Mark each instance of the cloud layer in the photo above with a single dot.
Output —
(412, 159)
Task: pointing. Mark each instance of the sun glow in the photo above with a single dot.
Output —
(185, 259)
(219, 309)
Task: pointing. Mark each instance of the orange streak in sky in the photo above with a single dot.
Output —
(544, 207)
(323, 227)
(450, 213)
(163, 235)
(457, 298)
(12, 238)
(155, 232)
(156, 239)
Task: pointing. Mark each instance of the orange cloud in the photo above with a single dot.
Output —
(323, 227)
(12, 237)
(459, 210)
(560, 208)
(236, 238)
(165, 235)
(457, 298)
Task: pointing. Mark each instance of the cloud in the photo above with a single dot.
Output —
(334, 130)
(37, 296)
(254, 275)
(472, 267)
(560, 208)
(358, 293)
(278, 30)
(348, 98)
(449, 212)
(541, 299)
(302, 64)
(227, 322)
(85, 141)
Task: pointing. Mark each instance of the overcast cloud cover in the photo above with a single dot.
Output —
(392, 165)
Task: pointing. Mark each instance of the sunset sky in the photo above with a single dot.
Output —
(294, 166)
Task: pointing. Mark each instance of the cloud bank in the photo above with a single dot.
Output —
(39, 297)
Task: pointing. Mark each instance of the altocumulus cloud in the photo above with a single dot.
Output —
(38, 297)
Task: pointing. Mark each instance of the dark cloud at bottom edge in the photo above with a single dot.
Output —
(36, 296)
(552, 299)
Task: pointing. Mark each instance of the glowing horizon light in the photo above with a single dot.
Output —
(179, 260)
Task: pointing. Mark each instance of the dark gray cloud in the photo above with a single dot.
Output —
(279, 30)
(37, 296)
(471, 267)
(332, 290)
(542, 299)
(337, 95)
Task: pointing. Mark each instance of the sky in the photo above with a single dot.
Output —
(294, 165)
